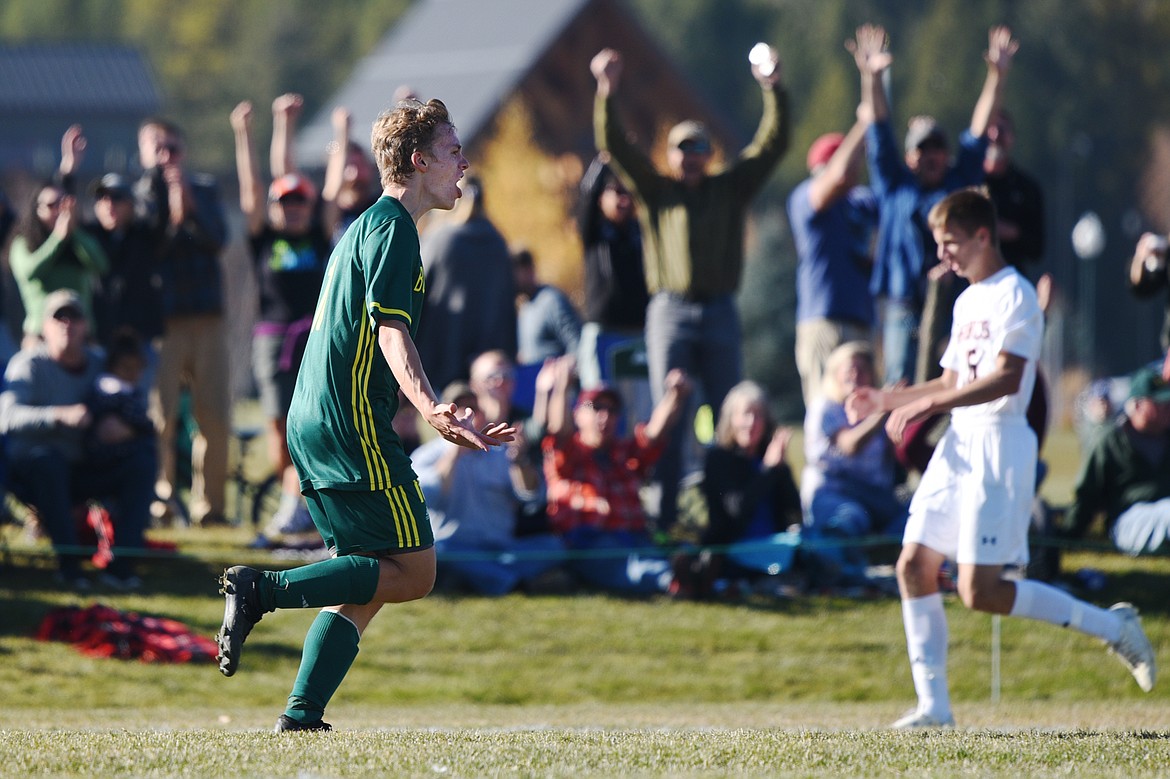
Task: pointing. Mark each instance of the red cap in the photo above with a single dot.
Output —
(822, 149)
(291, 184)
(592, 394)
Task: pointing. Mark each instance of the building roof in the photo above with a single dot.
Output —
(74, 78)
(475, 73)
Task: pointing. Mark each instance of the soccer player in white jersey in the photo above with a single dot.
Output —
(974, 501)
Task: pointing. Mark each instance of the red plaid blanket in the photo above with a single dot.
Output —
(100, 631)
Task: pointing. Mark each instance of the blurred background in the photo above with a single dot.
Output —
(1086, 95)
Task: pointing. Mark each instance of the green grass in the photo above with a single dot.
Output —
(577, 686)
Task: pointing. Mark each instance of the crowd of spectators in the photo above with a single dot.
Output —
(124, 309)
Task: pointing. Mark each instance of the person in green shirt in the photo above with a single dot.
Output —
(693, 217)
(357, 479)
(52, 251)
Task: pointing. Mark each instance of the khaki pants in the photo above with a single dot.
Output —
(815, 341)
(194, 354)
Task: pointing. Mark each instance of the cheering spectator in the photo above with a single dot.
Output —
(1126, 475)
(594, 478)
(290, 250)
(692, 221)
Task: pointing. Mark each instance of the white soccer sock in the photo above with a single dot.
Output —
(1036, 600)
(926, 642)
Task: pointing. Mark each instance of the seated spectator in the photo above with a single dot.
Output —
(594, 478)
(118, 404)
(473, 499)
(848, 481)
(493, 380)
(750, 496)
(1126, 475)
(45, 418)
(547, 325)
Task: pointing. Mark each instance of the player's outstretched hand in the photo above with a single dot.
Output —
(456, 426)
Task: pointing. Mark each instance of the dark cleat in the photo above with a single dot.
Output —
(241, 587)
(287, 724)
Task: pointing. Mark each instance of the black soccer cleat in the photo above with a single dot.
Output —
(287, 724)
(241, 587)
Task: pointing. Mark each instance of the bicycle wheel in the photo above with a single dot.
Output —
(265, 500)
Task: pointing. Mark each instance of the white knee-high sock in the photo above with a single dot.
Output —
(1036, 600)
(926, 642)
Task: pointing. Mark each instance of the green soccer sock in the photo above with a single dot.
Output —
(330, 648)
(333, 582)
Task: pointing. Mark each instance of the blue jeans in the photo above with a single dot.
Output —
(497, 569)
(52, 485)
(900, 320)
(703, 339)
(601, 562)
(841, 513)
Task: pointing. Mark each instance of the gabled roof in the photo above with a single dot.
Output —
(74, 78)
(469, 53)
(473, 54)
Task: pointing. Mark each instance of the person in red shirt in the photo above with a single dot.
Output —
(594, 478)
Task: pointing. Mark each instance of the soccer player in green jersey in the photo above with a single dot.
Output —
(357, 480)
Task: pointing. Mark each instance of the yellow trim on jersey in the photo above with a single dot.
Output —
(319, 314)
(393, 311)
(363, 411)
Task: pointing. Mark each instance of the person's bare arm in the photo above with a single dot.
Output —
(286, 109)
(560, 416)
(1004, 380)
(251, 193)
(832, 182)
(669, 409)
(451, 423)
(1001, 49)
(869, 47)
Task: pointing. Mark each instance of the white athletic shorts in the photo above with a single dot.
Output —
(974, 503)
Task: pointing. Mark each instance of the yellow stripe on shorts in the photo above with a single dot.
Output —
(405, 524)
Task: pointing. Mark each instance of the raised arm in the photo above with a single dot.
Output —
(251, 192)
(833, 181)
(72, 153)
(286, 109)
(560, 416)
(342, 121)
(629, 161)
(669, 409)
(1001, 49)
(869, 47)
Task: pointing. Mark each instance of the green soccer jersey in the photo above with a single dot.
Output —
(339, 431)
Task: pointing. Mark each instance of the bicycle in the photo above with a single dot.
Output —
(261, 496)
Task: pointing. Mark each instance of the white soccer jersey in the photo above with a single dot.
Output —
(998, 314)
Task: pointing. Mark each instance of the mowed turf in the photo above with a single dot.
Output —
(579, 686)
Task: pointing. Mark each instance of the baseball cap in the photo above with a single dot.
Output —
(922, 131)
(114, 184)
(291, 184)
(1148, 383)
(690, 133)
(61, 300)
(593, 394)
(823, 149)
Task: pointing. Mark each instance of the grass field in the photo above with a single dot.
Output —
(578, 686)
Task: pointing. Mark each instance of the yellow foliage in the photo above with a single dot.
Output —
(530, 196)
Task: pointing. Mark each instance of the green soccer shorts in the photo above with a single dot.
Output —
(375, 522)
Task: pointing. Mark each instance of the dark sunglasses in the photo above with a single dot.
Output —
(68, 315)
(694, 147)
